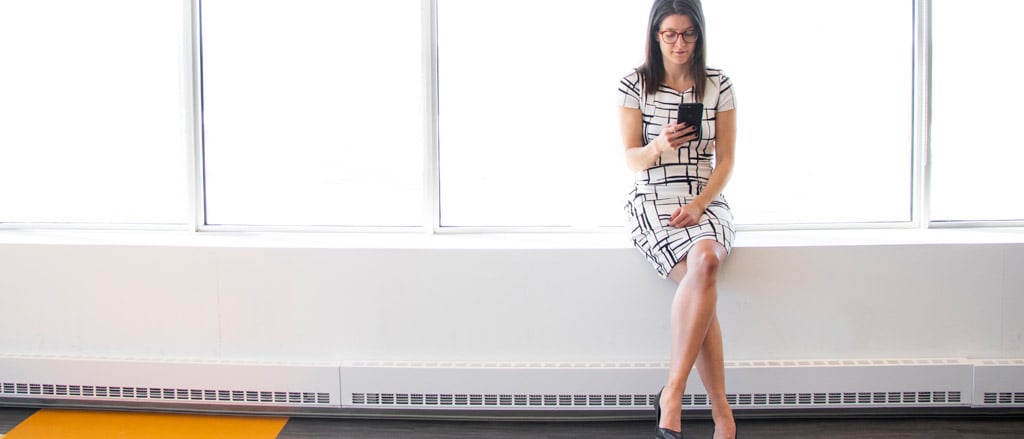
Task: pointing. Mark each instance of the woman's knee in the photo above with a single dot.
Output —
(704, 260)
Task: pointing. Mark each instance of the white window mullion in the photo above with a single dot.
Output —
(431, 171)
(921, 187)
(197, 205)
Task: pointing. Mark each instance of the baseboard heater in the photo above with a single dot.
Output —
(377, 387)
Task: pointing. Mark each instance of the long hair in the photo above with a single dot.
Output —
(653, 68)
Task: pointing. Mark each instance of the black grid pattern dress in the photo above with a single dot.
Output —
(678, 176)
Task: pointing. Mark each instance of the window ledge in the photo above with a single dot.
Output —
(854, 237)
(595, 240)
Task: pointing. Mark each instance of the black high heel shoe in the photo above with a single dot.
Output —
(663, 433)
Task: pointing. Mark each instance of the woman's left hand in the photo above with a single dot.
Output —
(686, 215)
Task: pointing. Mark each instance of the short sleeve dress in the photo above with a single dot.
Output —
(678, 176)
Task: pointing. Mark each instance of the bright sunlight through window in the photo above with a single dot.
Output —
(313, 112)
(93, 120)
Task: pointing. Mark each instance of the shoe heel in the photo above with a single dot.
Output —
(657, 408)
(662, 433)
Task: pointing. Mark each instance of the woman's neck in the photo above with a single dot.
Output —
(677, 73)
(678, 77)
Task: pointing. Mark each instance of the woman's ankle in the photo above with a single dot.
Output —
(673, 392)
(721, 411)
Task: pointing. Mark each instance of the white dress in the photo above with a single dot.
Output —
(678, 176)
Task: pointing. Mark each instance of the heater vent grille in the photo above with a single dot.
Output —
(688, 400)
(502, 400)
(1004, 398)
(164, 394)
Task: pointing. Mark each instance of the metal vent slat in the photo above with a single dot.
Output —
(171, 394)
(688, 400)
(1003, 398)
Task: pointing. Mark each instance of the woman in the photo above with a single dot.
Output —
(679, 219)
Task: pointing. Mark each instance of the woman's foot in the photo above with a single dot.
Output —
(660, 432)
(671, 408)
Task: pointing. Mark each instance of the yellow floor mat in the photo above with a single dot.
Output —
(84, 424)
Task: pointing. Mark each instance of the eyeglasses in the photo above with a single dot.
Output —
(671, 36)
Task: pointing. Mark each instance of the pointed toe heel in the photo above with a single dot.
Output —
(662, 433)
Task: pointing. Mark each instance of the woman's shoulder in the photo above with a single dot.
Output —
(721, 87)
(634, 77)
(716, 75)
(632, 85)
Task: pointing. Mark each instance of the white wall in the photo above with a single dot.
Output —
(189, 297)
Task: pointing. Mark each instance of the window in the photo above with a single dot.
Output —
(319, 112)
(529, 135)
(94, 120)
(977, 149)
(313, 112)
(529, 132)
(824, 93)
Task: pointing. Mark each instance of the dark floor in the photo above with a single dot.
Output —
(747, 429)
(989, 427)
(10, 417)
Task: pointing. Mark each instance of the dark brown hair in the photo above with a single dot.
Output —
(653, 68)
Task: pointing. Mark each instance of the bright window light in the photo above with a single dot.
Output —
(529, 129)
(977, 149)
(824, 94)
(94, 124)
(313, 112)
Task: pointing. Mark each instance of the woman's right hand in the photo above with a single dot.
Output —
(673, 136)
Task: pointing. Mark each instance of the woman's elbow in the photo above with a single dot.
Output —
(634, 161)
(633, 166)
(725, 164)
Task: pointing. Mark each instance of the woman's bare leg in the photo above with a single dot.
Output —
(693, 312)
(711, 367)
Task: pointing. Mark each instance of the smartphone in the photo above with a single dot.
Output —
(692, 114)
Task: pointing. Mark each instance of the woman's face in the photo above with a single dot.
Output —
(678, 38)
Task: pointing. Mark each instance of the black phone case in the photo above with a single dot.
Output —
(692, 114)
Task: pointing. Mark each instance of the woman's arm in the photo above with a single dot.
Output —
(640, 156)
(725, 147)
